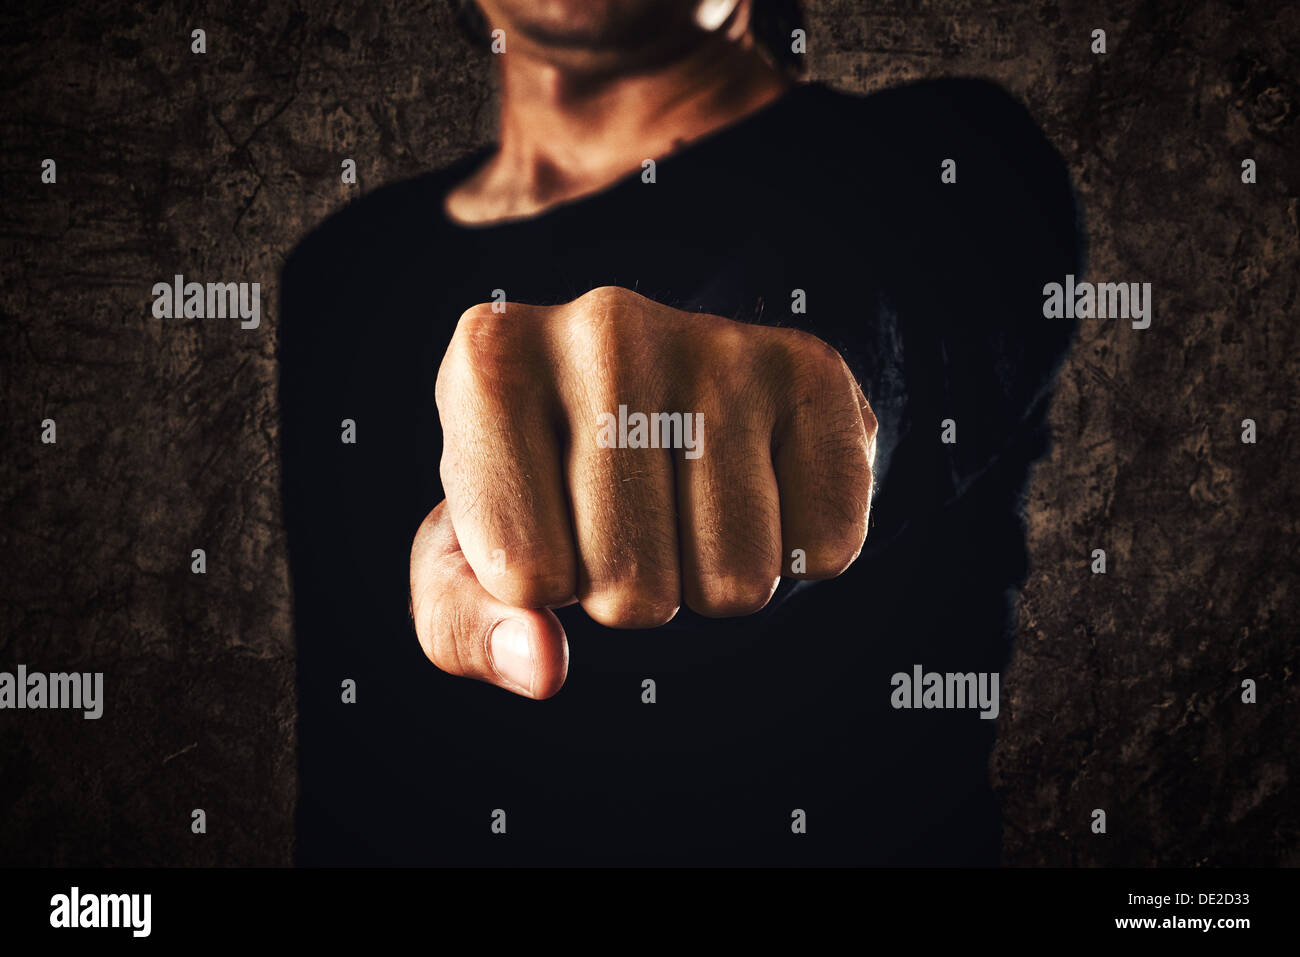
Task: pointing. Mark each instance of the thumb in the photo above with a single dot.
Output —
(468, 633)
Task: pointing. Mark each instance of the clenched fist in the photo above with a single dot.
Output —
(629, 456)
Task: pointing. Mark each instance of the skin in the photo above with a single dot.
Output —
(590, 88)
(538, 514)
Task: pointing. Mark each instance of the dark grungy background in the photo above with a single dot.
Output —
(1125, 692)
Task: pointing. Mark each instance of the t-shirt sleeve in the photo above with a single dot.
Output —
(983, 358)
(359, 435)
(313, 302)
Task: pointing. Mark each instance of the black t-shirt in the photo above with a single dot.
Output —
(931, 290)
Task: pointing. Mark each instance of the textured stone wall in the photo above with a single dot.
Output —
(1125, 691)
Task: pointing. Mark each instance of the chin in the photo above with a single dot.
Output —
(597, 25)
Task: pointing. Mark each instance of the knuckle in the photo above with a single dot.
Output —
(643, 602)
(838, 532)
(483, 336)
(596, 321)
(445, 627)
(847, 464)
(833, 555)
(449, 467)
(486, 362)
(734, 353)
(487, 354)
(603, 297)
(817, 380)
(724, 595)
(480, 311)
(531, 583)
(806, 354)
(608, 328)
(869, 419)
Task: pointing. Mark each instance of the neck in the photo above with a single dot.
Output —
(566, 132)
